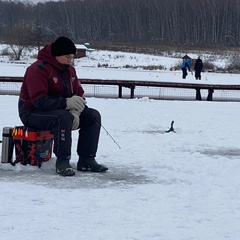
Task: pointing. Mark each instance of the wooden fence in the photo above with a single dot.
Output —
(227, 92)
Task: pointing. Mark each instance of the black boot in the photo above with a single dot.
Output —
(63, 168)
(90, 165)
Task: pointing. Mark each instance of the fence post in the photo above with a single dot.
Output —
(198, 94)
(120, 91)
(132, 87)
(210, 94)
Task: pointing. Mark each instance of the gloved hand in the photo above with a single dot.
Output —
(75, 102)
(76, 119)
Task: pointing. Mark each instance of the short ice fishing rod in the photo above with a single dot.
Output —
(171, 129)
(89, 112)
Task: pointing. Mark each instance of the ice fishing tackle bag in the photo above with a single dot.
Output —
(32, 146)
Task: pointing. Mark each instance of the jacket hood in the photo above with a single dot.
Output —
(45, 55)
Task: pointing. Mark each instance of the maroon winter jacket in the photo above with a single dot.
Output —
(46, 84)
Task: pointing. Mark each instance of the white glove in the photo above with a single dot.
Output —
(75, 102)
(76, 115)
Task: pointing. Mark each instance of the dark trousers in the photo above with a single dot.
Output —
(198, 74)
(184, 73)
(59, 121)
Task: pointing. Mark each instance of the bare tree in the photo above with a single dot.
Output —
(18, 38)
(175, 22)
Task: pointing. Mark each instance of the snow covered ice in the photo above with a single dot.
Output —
(160, 186)
(182, 185)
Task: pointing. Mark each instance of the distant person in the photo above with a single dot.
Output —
(51, 98)
(198, 68)
(186, 65)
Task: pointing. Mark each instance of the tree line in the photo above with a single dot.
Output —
(173, 22)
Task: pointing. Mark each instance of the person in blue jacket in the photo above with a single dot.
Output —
(186, 66)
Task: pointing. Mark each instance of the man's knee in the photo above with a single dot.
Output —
(90, 116)
(95, 113)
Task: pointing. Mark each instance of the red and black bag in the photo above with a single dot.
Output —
(32, 146)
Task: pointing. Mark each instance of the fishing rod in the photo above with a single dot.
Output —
(89, 112)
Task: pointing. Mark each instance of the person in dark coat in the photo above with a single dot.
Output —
(186, 65)
(198, 68)
(51, 98)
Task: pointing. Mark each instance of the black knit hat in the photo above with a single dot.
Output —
(63, 46)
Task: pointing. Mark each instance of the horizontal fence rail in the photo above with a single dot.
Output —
(135, 88)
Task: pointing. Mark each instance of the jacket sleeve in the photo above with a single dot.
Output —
(37, 84)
